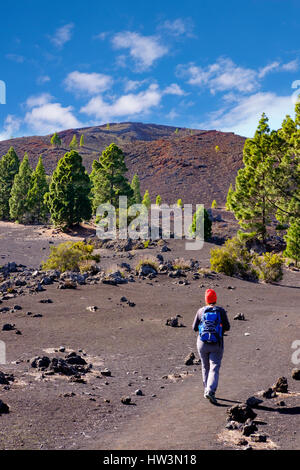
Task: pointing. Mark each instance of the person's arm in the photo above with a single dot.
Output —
(197, 320)
(225, 321)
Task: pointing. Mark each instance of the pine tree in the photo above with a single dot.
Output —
(9, 167)
(229, 197)
(107, 126)
(18, 202)
(38, 188)
(197, 219)
(217, 148)
(292, 239)
(135, 185)
(158, 200)
(108, 178)
(73, 145)
(81, 143)
(284, 178)
(146, 200)
(214, 204)
(250, 201)
(180, 203)
(55, 140)
(68, 196)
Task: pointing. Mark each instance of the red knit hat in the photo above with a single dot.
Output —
(210, 296)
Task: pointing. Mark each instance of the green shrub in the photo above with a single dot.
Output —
(146, 243)
(246, 236)
(68, 256)
(197, 217)
(232, 259)
(180, 263)
(269, 267)
(214, 204)
(292, 239)
(87, 265)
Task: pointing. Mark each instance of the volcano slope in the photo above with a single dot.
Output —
(183, 164)
(132, 340)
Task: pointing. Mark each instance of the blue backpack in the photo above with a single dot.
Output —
(210, 328)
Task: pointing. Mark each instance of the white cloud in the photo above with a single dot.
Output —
(91, 83)
(243, 117)
(101, 36)
(121, 61)
(291, 66)
(15, 58)
(172, 114)
(223, 75)
(126, 105)
(43, 79)
(174, 89)
(45, 117)
(132, 85)
(268, 68)
(62, 35)
(178, 27)
(38, 100)
(11, 125)
(145, 50)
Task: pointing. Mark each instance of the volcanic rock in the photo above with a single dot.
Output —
(281, 385)
(40, 362)
(92, 308)
(239, 316)
(253, 402)
(6, 378)
(258, 437)
(106, 372)
(173, 321)
(240, 413)
(249, 428)
(146, 269)
(74, 358)
(126, 400)
(269, 393)
(8, 327)
(189, 359)
(4, 408)
(296, 374)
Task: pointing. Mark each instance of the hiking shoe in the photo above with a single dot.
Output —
(211, 397)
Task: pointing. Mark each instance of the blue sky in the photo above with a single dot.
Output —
(193, 63)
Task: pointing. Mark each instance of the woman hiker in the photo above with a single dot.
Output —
(211, 322)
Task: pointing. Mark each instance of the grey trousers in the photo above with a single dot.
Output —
(211, 358)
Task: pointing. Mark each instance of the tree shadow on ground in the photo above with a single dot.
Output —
(294, 410)
(230, 401)
(284, 285)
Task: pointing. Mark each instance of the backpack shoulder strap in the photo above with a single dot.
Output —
(204, 311)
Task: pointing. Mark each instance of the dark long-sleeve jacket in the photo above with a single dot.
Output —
(223, 314)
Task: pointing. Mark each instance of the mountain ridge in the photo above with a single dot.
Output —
(171, 161)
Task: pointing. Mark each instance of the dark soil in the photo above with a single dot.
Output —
(51, 411)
